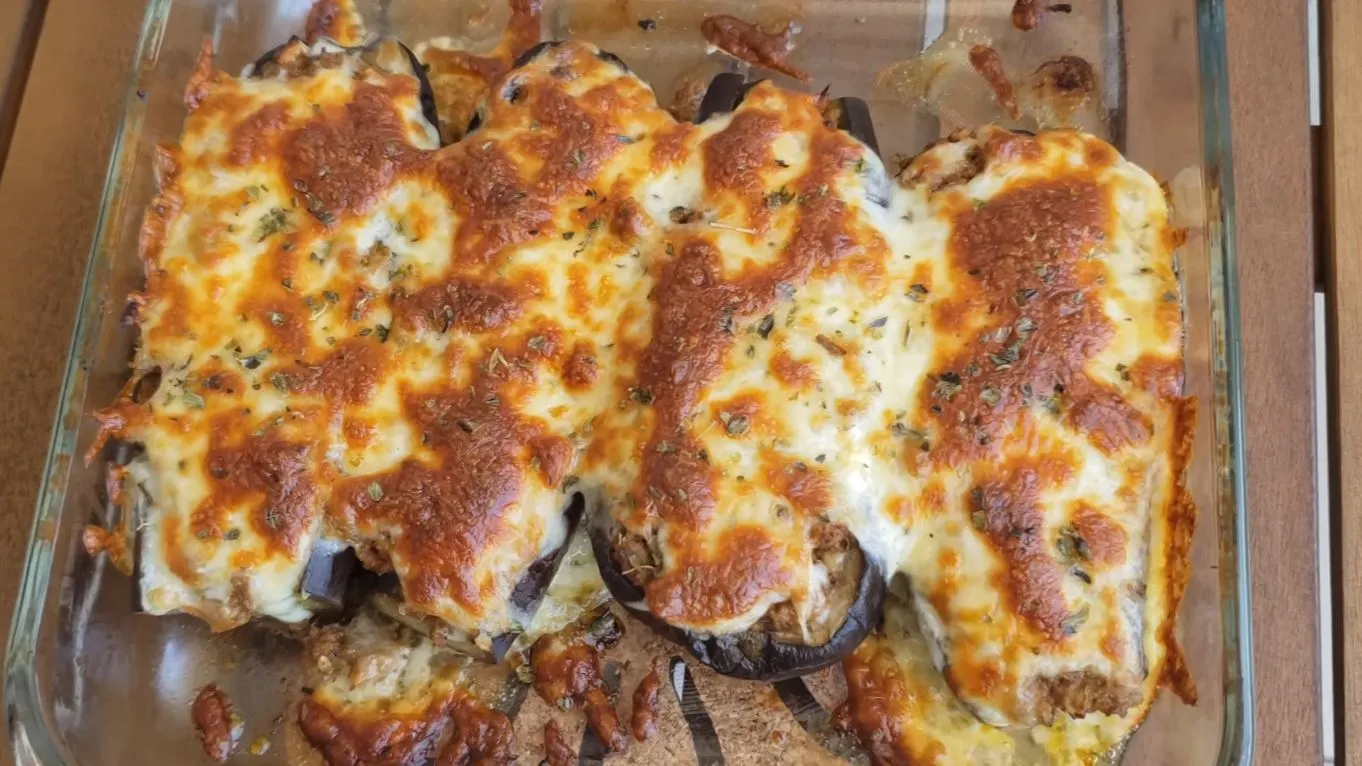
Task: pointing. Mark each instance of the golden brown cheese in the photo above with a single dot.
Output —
(1055, 461)
(233, 476)
(363, 339)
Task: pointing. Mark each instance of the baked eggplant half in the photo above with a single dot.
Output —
(776, 647)
(334, 578)
(298, 57)
(849, 114)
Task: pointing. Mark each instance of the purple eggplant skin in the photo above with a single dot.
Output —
(427, 92)
(529, 591)
(723, 95)
(854, 118)
(751, 655)
(138, 605)
(326, 577)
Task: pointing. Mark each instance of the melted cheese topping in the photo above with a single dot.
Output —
(353, 346)
(740, 339)
(1048, 524)
(1052, 406)
(244, 294)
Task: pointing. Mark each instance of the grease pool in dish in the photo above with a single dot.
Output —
(778, 376)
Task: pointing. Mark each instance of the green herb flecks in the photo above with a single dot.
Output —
(779, 197)
(273, 222)
(947, 386)
(1074, 621)
(991, 395)
(1071, 545)
(737, 425)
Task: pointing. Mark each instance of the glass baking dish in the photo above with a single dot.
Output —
(88, 681)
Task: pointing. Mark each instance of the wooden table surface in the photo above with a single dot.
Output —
(1342, 195)
(50, 189)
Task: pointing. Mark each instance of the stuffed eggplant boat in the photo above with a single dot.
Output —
(346, 357)
(224, 497)
(729, 525)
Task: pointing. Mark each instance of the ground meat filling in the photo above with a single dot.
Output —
(834, 548)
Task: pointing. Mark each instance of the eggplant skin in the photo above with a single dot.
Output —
(854, 118)
(751, 655)
(723, 95)
(530, 589)
(530, 55)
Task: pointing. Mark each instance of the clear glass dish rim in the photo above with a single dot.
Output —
(29, 737)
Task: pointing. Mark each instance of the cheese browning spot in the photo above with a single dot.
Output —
(875, 696)
(271, 476)
(476, 733)
(342, 160)
(450, 506)
(1006, 510)
(1026, 254)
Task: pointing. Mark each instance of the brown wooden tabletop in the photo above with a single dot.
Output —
(1342, 196)
(50, 190)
